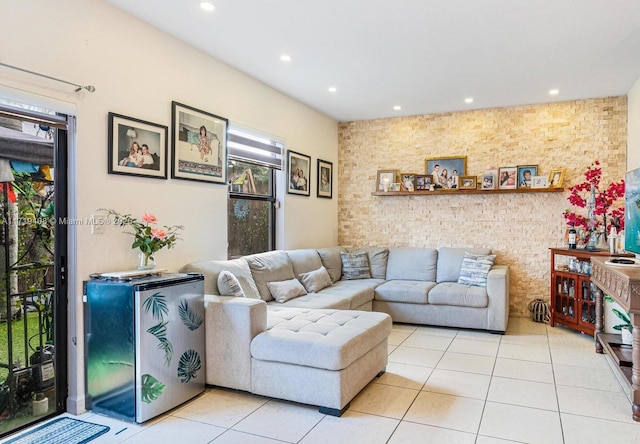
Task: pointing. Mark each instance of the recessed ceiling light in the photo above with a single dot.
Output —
(332, 89)
(207, 6)
(554, 92)
(468, 100)
(397, 107)
(285, 57)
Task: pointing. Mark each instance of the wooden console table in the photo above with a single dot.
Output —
(623, 285)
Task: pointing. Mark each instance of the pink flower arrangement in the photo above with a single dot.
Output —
(605, 202)
(148, 240)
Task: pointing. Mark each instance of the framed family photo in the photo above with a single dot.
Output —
(299, 173)
(446, 170)
(325, 179)
(488, 181)
(137, 147)
(199, 147)
(507, 178)
(384, 179)
(423, 182)
(539, 182)
(407, 182)
(525, 174)
(467, 182)
(556, 177)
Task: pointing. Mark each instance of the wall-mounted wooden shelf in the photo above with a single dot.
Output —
(449, 192)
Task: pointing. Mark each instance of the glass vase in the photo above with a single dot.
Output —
(146, 262)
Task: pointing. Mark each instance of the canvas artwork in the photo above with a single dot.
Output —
(632, 211)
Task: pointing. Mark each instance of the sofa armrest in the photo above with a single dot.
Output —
(231, 324)
(498, 294)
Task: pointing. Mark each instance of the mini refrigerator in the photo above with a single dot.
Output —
(144, 344)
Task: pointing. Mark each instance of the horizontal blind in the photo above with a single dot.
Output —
(249, 146)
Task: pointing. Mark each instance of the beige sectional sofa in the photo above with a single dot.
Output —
(323, 347)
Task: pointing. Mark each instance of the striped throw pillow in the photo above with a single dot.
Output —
(355, 266)
(475, 269)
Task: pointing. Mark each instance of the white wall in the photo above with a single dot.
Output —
(633, 128)
(137, 72)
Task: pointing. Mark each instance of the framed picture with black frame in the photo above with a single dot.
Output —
(136, 147)
(199, 148)
(299, 173)
(325, 179)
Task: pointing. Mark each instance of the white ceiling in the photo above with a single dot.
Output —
(425, 55)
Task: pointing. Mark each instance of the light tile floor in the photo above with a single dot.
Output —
(534, 384)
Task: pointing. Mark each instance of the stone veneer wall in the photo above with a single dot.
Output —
(519, 227)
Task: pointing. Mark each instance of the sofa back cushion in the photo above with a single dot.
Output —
(304, 260)
(412, 264)
(450, 262)
(211, 270)
(272, 266)
(330, 258)
(377, 260)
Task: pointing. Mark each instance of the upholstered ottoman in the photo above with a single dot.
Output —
(319, 357)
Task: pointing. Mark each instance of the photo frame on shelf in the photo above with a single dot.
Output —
(488, 181)
(556, 178)
(444, 170)
(539, 181)
(384, 179)
(325, 179)
(136, 147)
(525, 173)
(508, 178)
(394, 186)
(199, 148)
(407, 182)
(467, 182)
(299, 173)
(423, 182)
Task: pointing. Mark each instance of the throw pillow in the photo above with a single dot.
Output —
(229, 285)
(282, 291)
(355, 266)
(475, 269)
(316, 280)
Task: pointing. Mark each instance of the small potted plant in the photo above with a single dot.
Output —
(625, 328)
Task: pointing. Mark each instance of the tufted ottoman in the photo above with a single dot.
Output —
(319, 357)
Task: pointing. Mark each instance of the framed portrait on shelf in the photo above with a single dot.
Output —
(445, 170)
(538, 181)
(467, 182)
(488, 181)
(556, 177)
(507, 178)
(525, 173)
(136, 147)
(299, 173)
(199, 148)
(325, 179)
(394, 186)
(423, 182)
(385, 178)
(407, 182)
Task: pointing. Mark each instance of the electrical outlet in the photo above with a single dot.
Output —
(97, 221)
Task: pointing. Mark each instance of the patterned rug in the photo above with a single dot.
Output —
(61, 431)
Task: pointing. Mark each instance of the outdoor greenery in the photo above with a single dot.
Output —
(19, 351)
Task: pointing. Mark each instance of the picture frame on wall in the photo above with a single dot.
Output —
(445, 170)
(467, 182)
(539, 181)
(136, 147)
(199, 148)
(394, 186)
(508, 178)
(525, 173)
(299, 173)
(488, 181)
(556, 178)
(384, 179)
(407, 182)
(423, 182)
(325, 179)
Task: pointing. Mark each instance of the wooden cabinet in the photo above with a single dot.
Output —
(573, 299)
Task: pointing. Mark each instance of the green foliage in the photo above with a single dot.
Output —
(158, 306)
(188, 366)
(189, 317)
(624, 317)
(160, 332)
(151, 388)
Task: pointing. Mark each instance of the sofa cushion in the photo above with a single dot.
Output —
(282, 291)
(377, 260)
(358, 292)
(413, 264)
(229, 285)
(316, 280)
(211, 269)
(355, 266)
(328, 339)
(411, 292)
(316, 300)
(304, 260)
(450, 262)
(475, 269)
(451, 293)
(272, 266)
(330, 258)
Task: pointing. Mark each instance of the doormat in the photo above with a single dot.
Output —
(61, 431)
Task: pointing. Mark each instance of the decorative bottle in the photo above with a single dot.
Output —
(572, 237)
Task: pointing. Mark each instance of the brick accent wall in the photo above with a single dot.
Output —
(518, 227)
